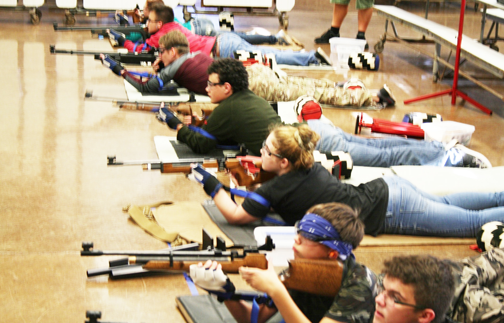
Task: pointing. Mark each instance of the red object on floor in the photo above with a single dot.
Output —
(390, 127)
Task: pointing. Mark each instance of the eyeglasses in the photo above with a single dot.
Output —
(308, 235)
(149, 21)
(268, 151)
(162, 50)
(391, 296)
(212, 84)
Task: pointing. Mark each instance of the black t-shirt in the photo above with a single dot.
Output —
(292, 194)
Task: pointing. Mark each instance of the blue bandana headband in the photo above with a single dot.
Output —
(320, 228)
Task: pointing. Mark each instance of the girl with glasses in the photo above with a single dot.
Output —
(389, 204)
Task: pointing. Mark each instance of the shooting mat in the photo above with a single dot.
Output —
(169, 149)
(183, 95)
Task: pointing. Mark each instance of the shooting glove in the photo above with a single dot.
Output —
(121, 19)
(114, 65)
(166, 116)
(116, 38)
(211, 184)
(213, 281)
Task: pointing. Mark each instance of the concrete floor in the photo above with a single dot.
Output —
(56, 190)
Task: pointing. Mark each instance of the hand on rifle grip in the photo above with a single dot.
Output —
(165, 115)
(116, 38)
(114, 65)
(211, 278)
(211, 184)
(156, 66)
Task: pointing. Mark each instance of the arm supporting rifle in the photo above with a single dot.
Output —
(229, 264)
(320, 277)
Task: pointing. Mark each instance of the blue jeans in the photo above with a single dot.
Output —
(384, 152)
(205, 27)
(257, 39)
(411, 211)
(230, 42)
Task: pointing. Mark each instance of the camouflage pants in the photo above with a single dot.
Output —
(479, 293)
(265, 83)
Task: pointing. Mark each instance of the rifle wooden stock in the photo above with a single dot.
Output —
(139, 106)
(320, 277)
(182, 109)
(186, 169)
(256, 260)
(243, 177)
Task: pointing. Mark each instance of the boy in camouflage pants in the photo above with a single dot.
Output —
(479, 288)
(278, 87)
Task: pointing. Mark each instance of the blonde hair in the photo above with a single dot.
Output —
(296, 144)
(176, 39)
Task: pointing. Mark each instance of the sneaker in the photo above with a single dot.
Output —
(451, 144)
(324, 39)
(259, 31)
(283, 38)
(322, 57)
(385, 96)
(471, 158)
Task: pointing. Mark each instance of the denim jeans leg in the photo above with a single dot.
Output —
(203, 27)
(230, 42)
(257, 39)
(375, 152)
(412, 211)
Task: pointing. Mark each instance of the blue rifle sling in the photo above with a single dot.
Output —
(210, 136)
(145, 74)
(251, 195)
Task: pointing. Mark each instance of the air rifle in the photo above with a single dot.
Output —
(182, 108)
(180, 258)
(177, 166)
(137, 105)
(102, 31)
(143, 58)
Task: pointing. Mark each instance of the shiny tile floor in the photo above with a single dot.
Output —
(56, 190)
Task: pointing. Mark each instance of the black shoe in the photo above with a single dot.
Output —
(322, 57)
(324, 39)
(385, 96)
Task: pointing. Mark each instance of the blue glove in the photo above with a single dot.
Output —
(116, 38)
(121, 19)
(211, 185)
(213, 281)
(166, 116)
(114, 65)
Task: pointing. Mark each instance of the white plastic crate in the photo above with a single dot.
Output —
(283, 238)
(445, 131)
(342, 48)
